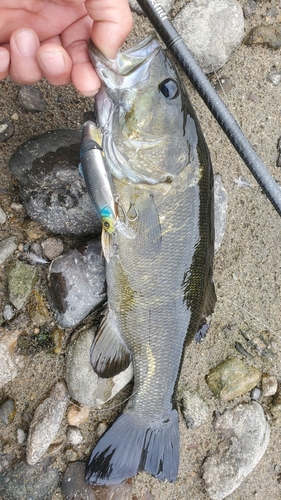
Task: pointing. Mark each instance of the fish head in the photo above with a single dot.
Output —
(141, 109)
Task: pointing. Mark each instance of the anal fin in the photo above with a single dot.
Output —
(109, 355)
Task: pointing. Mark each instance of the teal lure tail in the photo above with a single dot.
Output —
(130, 446)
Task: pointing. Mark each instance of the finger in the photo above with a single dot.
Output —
(24, 67)
(55, 63)
(4, 63)
(112, 24)
(75, 41)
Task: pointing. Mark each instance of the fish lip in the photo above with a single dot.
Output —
(129, 68)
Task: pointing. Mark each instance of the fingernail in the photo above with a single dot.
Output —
(88, 93)
(53, 62)
(26, 43)
(4, 60)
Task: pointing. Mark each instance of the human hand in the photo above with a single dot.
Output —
(40, 38)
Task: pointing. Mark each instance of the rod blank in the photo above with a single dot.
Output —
(177, 47)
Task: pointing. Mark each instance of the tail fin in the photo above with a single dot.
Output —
(130, 446)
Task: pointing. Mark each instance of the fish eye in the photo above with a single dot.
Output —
(169, 88)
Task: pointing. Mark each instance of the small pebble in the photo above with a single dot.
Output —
(21, 435)
(52, 248)
(223, 85)
(274, 77)
(255, 394)
(6, 130)
(194, 409)
(74, 436)
(7, 411)
(30, 98)
(269, 384)
(101, 428)
(15, 117)
(17, 207)
(77, 415)
(269, 36)
(3, 216)
(21, 280)
(7, 248)
(8, 359)
(8, 312)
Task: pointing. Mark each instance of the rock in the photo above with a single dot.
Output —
(7, 248)
(3, 216)
(76, 283)
(245, 434)
(195, 411)
(83, 383)
(274, 76)
(52, 248)
(7, 411)
(249, 8)
(6, 130)
(8, 312)
(211, 29)
(121, 491)
(6, 460)
(37, 309)
(21, 280)
(8, 360)
(73, 484)
(74, 436)
(265, 35)
(276, 408)
(78, 415)
(223, 86)
(46, 423)
(27, 482)
(30, 98)
(255, 394)
(21, 435)
(220, 202)
(50, 185)
(269, 384)
(232, 378)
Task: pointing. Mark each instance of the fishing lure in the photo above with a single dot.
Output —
(100, 185)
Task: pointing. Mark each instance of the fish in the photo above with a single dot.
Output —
(99, 183)
(159, 284)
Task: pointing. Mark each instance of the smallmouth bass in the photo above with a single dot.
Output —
(159, 284)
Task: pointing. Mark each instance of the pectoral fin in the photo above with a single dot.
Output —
(149, 228)
(109, 355)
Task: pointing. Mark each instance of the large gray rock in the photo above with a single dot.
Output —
(27, 482)
(246, 437)
(83, 383)
(76, 283)
(211, 29)
(51, 188)
(46, 423)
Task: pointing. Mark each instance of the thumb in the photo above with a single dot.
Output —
(112, 24)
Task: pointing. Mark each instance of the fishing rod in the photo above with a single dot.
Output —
(177, 47)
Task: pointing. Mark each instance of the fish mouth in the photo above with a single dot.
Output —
(129, 68)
